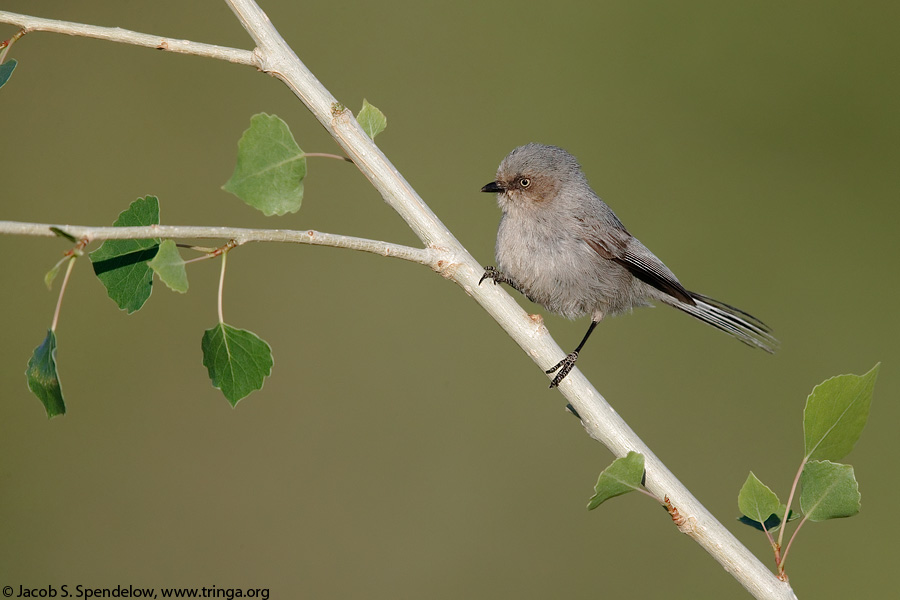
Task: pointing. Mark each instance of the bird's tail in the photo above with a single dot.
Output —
(729, 319)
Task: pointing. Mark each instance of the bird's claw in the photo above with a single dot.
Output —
(491, 273)
(563, 367)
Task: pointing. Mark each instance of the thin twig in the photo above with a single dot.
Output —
(425, 256)
(124, 36)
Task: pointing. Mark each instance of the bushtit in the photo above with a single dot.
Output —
(564, 248)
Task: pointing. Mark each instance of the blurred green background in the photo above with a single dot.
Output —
(404, 446)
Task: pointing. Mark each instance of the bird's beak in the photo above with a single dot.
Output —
(493, 188)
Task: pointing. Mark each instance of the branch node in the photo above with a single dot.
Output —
(259, 57)
(445, 264)
(685, 524)
(337, 109)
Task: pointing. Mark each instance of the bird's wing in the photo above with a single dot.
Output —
(623, 248)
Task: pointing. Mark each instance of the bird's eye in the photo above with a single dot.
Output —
(524, 182)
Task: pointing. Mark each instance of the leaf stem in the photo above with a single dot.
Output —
(199, 258)
(62, 291)
(7, 44)
(770, 537)
(649, 494)
(327, 155)
(787, 511)
(222, 285)
(790, 541)
(196, 248)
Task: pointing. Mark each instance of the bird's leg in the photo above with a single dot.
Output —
(566, 364)
(498, 277)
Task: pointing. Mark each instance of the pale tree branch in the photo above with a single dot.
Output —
(124, 36)
(425, 256)
(276, 58)
(599, 418)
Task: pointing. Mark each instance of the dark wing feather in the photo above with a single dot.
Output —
(621, 247)
(617, 245)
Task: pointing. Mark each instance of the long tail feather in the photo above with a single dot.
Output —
(733, 321)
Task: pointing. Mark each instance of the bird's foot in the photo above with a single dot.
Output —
(497, 276)
(563, 366)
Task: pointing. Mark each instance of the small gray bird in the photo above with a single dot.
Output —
(564, 248)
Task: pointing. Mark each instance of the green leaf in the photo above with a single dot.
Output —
(757, 502)
(6, 70)
(169, 266)
(830, 491)
(835, 414)
(42, 378)
(372, 120)
(238, 361)
(270, 167)
(772, 523)
(121, 265)
(624, 475)
(52, 273)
